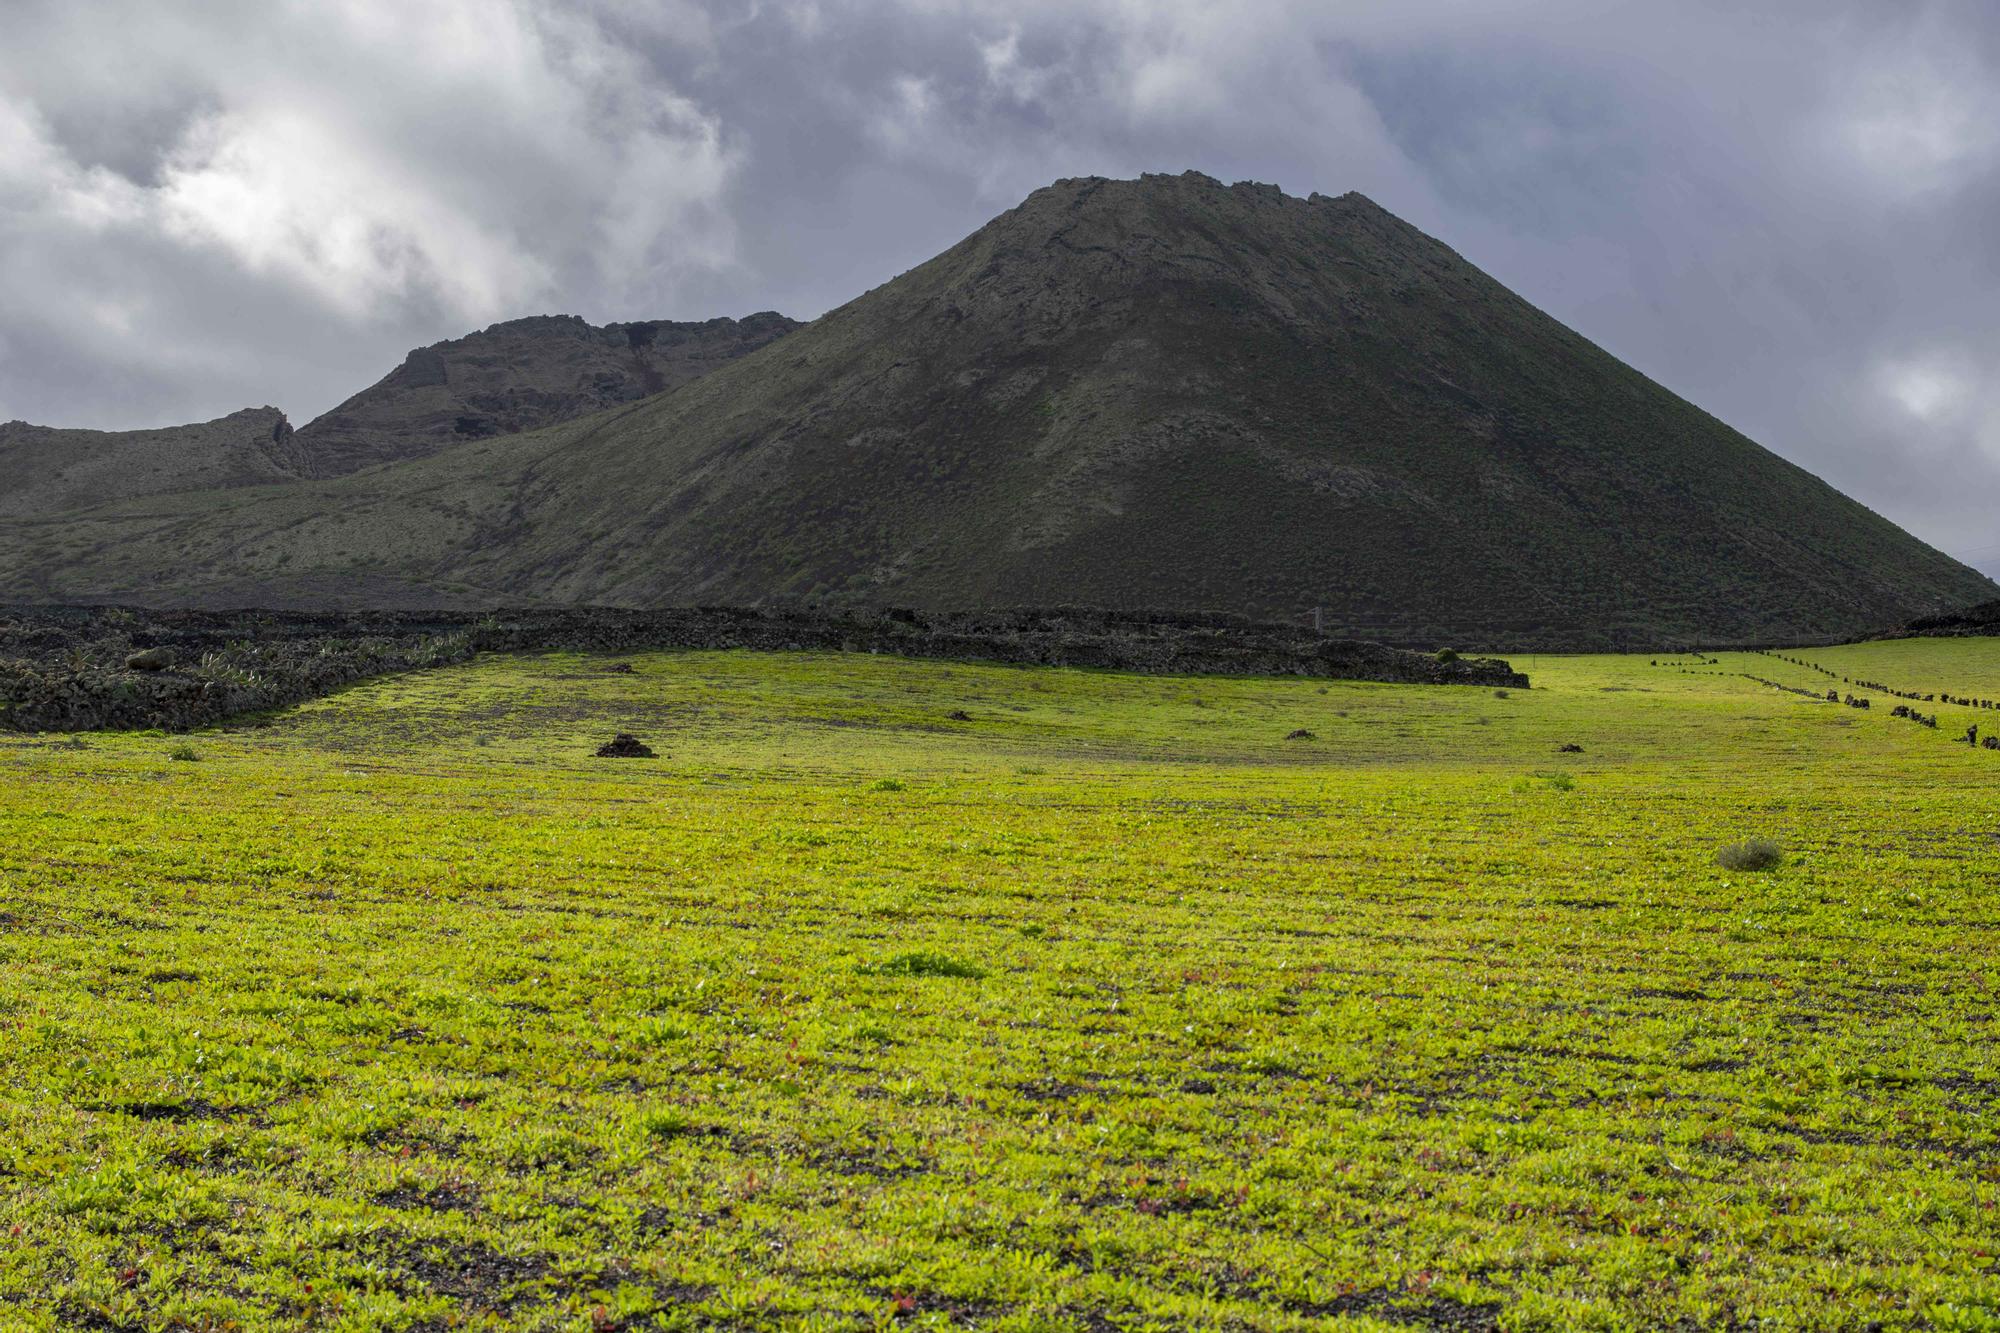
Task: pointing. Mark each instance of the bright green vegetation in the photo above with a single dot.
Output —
(1108, 1008)
(1967, 668)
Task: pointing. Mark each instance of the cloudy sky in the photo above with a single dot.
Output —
(1784, 211)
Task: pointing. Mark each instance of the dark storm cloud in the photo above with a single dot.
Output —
(1783, 215)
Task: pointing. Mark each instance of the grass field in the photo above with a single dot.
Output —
(1109, 1007)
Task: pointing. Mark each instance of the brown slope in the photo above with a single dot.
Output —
(522, 375)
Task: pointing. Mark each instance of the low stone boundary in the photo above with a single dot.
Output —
(114, 668)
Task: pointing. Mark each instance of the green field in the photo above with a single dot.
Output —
(1110, 1007)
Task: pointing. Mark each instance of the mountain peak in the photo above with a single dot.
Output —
(1160, 393)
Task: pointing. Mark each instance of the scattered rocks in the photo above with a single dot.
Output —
(1569, 748)
(620, 669)
(1831, 696)
(958, 715)
(1301, 735)
(624, 746)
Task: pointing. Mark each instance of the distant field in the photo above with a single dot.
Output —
(1967, 668)
(1109, 1007)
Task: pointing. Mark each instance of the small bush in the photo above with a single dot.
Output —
(1447, 655)
(886, 784)
(924, 963)
(1756, 854)
(184, 753)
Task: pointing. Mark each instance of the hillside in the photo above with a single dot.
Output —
(45, 469)
(522, 375)
(1159, 393)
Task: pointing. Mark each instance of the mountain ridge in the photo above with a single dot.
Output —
(45, 468)
(522, 374)
(1164, 393)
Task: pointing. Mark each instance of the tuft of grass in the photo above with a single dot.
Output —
(667, 1122)
(925, 963)
(1756, 854)
(183, 754)
(887, 784)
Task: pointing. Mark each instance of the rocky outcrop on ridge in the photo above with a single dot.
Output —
(48, 469)
(520, 376)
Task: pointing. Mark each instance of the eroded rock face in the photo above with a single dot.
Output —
(519, 376)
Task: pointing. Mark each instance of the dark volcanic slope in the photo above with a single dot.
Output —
(45, 468)
(1158, 393)
(522, 375)
(1170, 392)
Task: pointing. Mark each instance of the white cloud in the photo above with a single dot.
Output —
(1920, 127)
(377, 164)
(287, 195)
(1930, 389)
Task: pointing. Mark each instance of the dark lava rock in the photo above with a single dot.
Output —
(624, 746)
(620, 669)
(150, 659)
(1981, 620)
(231, 663)
(1301, 735)
(958, 715)
(1571, 748)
